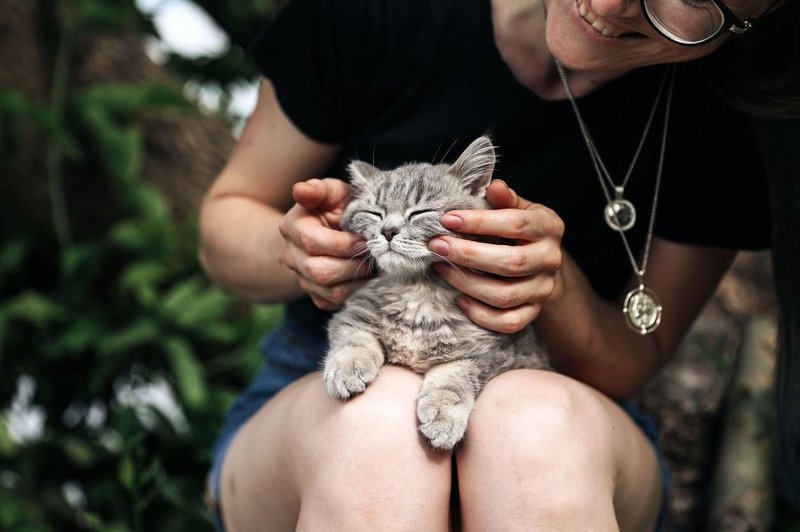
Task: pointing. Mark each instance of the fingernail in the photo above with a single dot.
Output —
(439, 246)
(463, 303)
(451, 221)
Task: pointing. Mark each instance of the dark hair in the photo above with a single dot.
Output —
(780, 147)
(759, 71)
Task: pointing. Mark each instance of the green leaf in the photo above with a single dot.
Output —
(205, 309)
(266, 317)
(152, 470)
(78, 451)
(221, 333)
(187, 372)
(120, 147)
(150, 204)
(107, 15)
(79, 260)
(129, 235)
(81, 334)
(34, 308)
(181, 297)
(12, 254)
(126, 472)
(142, 278)
(124, 102)
(17, 105)
(138, 333)
(91, 520)
(7, 446)
(108, 113)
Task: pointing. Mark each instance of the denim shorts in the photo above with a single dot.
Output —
(290, 352)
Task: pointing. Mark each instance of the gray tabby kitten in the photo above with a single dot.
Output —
(407, 314)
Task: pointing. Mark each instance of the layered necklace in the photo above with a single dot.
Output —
(641, 307)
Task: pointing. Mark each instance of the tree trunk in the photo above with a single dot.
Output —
(183, 150)
(742, 488)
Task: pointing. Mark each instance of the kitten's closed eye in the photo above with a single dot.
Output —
(419, 212)
(377, 214)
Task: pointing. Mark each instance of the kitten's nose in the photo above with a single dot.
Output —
(389, 234)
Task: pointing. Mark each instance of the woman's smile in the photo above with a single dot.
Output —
(597, 22)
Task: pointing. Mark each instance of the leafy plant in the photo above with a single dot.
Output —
(115, 344)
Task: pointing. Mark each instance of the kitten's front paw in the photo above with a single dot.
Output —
(443, 416)
(348, 371)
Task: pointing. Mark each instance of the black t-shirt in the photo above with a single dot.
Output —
(395, 81)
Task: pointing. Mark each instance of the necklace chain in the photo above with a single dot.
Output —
(598, 164)
(641, 307)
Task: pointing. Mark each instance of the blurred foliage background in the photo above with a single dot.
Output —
(117, 357)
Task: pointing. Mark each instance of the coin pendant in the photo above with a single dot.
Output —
(642, 310)
(620, 214)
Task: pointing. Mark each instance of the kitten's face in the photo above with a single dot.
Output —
(397, 212)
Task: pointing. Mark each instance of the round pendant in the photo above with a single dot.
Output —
(620, 214)
(642, 309)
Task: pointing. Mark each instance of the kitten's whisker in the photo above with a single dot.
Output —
(450, 263)
(367, 259)
(357, 248)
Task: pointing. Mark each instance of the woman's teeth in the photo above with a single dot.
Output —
(596, 22)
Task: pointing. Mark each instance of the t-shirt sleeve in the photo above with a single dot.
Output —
(714, 191)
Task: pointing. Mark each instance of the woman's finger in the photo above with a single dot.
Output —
(535, 223)
(326, 195)
(501, 196)
(506, 321)
(330, 297)
(509, 261)
(324, 270)
(502, 293)
(307, 233)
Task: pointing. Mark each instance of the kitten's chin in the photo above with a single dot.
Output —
(397, 265)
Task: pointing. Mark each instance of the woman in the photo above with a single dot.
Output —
(391, 81)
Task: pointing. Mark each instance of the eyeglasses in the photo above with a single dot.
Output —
(694, 22)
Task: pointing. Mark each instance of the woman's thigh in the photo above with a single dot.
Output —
(305, 458)
(546, 452)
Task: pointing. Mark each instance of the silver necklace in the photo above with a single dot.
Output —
(619, 213)
(641, 306)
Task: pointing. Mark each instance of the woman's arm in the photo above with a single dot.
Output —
(587, 337)
(241, 246)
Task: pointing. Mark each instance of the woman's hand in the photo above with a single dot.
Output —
(326, 260)
(513, 281)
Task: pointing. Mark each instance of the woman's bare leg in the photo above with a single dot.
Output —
(545, 452)
(309, 462)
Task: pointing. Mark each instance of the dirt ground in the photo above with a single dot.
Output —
(686, 398)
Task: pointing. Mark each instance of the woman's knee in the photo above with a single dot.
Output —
(371, 445)
(536, 438)
(383, 416)
(534, 415)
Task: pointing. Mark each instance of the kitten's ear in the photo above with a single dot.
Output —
(361, 173)
(475, 166)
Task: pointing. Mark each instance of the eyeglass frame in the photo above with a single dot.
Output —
(730, 23)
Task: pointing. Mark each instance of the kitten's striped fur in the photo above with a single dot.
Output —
(407, 314)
